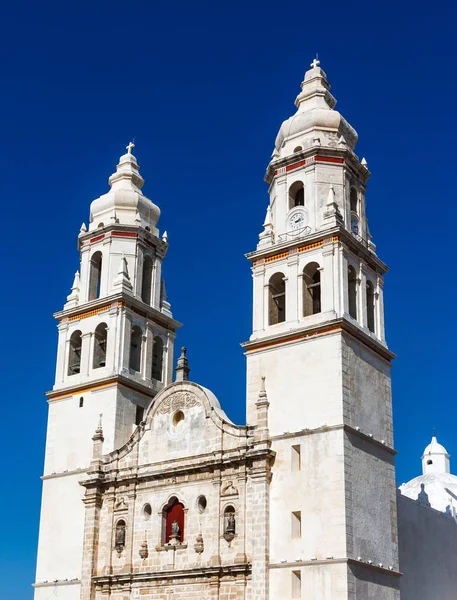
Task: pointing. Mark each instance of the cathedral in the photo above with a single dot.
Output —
(149, 490)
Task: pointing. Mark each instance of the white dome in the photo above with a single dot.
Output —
(315, 117)
(435, 448)
(440, 490)
(125, 203)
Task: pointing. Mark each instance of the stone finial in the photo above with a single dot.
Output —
(262, 405)
(144, 550)
(266, 238)
(98, 440)
(332, 215)
(73, 297)
(182, 369)
(199, 545)
(364, 163)
(422, 497)
(83, 228)
(122, 282)
(165, 237)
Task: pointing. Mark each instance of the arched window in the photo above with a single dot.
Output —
(370, 306)
(296, 195)
(136, 340)
(173, 522)
(311, 289)
(229, 523)
(100, 337)
(157, 358)
(95, 276)
(277, 299)
(74, 358)
(119, 536)
(352, 291)
(146, 283)
(354, 211)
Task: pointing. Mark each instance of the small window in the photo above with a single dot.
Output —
(74, 358)
(430, 462)
(296, 584)
(296, 458)
(146, 284)
(95, 276)
(157, 359)
(100, 225)
(277, 299)
(147, 512)
(135, 348)
(354, 201)
(100, 339)
(370, 307)
(298, 149)
(178, 418)
(201, 504)
(139, 415)
(81, 402)
(296, 524)
(352, 291)
(311, 289)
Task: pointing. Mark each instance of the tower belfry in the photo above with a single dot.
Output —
(318, 337)
(115, 353)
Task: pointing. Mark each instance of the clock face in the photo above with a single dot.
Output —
(297, 220)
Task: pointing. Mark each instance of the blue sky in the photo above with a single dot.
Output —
(203, 88)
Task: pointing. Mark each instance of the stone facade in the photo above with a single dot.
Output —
(168, 499)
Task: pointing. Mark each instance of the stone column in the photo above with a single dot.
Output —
(266, 305)
(86, 354)
(362, 296)
(63, 350)
(327, 278)
(93, 503)
(156, 282)
(125, 335)
(292, 288)
(379, 309)
(258, 305)
(260, 510)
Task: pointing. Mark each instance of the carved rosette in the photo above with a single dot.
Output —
(178, 401)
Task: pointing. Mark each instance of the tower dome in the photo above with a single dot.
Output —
(315, 119)
(435, 458)
(125, 203)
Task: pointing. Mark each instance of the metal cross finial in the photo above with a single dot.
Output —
(316, 62)
(130, 147)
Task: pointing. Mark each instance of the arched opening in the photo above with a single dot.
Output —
(157, 358)
(74, 358)
(311, 289)
(430, 462)
(100, 337)
(352, 291)
(370, 307)
(277, 299)
(136, 338)
(229, 523)
(354, 211)
(95, 276)
(146, 283)
(173, 522)
(296, 195)
(119, 536)
(298, 149)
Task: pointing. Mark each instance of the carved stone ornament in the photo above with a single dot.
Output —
(229, 489)
(178, 401)
(121, 504)
(199, 545)
(144, 552)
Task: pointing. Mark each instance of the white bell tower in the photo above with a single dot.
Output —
(318, 339)
(115, 352)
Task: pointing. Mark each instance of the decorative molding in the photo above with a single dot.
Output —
(177, 401)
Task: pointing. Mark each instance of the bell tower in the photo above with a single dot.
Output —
(318, 339)
(114, 354)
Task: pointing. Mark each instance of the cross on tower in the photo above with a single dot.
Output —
(315, 63)
(130, 147)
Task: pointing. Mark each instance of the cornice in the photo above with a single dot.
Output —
(195, 572)
(134, 231)
(101, 383)
(310, 157)
(123, 299)
(335, 561)
(329, 327)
